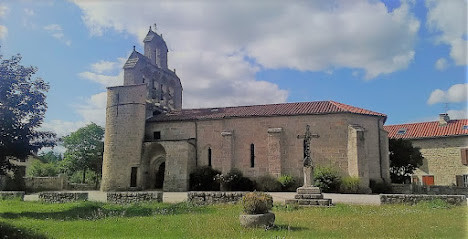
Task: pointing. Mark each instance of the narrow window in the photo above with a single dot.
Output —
(161, 97)
(252, 155)
(133, 177)
(157, 135)
(143, 80)
(209, 157)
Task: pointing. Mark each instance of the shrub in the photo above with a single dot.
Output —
(203, 179)
(239, 182)
(327, 178)
(39, 169)
(350, 185)
(257, 203)
(15, 180)
(288, 183)
(268, 183)
(380, 187)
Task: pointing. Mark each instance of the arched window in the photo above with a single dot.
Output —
(252, 155)
(209, 157)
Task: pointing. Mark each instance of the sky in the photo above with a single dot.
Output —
(406, 59)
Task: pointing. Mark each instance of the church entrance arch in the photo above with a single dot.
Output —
(156, 173)
(154, 158)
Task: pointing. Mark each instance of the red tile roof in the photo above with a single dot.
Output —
(428, 129)
(286, 109)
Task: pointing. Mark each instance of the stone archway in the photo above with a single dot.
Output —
(154, 161)
(156, 172)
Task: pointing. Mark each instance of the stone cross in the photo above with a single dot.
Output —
(308, 167)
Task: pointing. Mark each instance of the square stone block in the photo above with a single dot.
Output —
(308, 190)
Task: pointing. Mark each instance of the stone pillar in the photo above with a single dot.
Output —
(357, 160)
(227, 155)
(384, 156)
(274, 151)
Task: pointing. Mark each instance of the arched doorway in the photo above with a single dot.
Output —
(159, 176)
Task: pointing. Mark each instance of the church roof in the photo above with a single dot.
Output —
(285, 109)
(427, 129)
(134, 58)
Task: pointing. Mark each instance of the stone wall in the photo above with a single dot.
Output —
(415, 198)
(431, 190)
(277, 147)
(11, 195)
(207, 198)
(442, 159)
(46, 183)
(62, 197)
(134, 197)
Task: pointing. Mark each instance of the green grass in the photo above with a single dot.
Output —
(157, 220)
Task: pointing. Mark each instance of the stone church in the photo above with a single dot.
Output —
(152, 143)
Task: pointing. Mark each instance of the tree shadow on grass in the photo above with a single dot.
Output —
(10, 231)
(96, 211)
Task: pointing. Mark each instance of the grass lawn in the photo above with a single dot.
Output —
(159, 220)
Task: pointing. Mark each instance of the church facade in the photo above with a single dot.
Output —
(152, 143)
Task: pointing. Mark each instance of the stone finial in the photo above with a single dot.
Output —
(134, 48)
(150, 28)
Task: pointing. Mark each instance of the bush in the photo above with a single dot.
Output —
(380, 187)
(288, 183)
(203, 179)
(350, 185)
(238, 182)
(257, 203)
(327, 179)
(40, 169)
(268, 183)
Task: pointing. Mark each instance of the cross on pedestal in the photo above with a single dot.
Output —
(308, 167)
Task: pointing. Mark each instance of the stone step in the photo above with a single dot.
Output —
(308, 196)
(308, 190)
(310, 202)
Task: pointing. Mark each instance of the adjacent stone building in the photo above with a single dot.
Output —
(444, 146)
(150, 142)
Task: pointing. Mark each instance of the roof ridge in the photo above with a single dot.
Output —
(240, 106)
(425, 122)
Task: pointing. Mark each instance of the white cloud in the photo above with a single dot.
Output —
(3, 32)
(113, 72)
(441, 64)
(456, 93)
(276, 34)
(458, 114)
(29, 12)
(94, 110)
(449, 20)
(56, 31)
(62, 128)
(4, 10)
(104, 80)
(107, 66)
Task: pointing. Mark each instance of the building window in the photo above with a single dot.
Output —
(464, 156)
(428, 180)
(401, 131)
(252, 155)
(157, 135)
(161, 94)
(133, 177)
(209, 157)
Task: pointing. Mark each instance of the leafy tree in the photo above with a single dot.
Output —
(84, 150)
(39, 169)
(404, 159)
(22, 110)
(50, 157)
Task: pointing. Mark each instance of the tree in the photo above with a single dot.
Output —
(50, 157)
(22, 110)
(404, 159)
(84, 150)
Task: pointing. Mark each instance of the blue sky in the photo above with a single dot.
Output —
(406, 59)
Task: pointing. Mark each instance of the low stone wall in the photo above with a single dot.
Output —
(61, 197)
(46, 183)
(206, 198)
(134, 197)
(431, 190)
(11, 195)
(415, 198)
